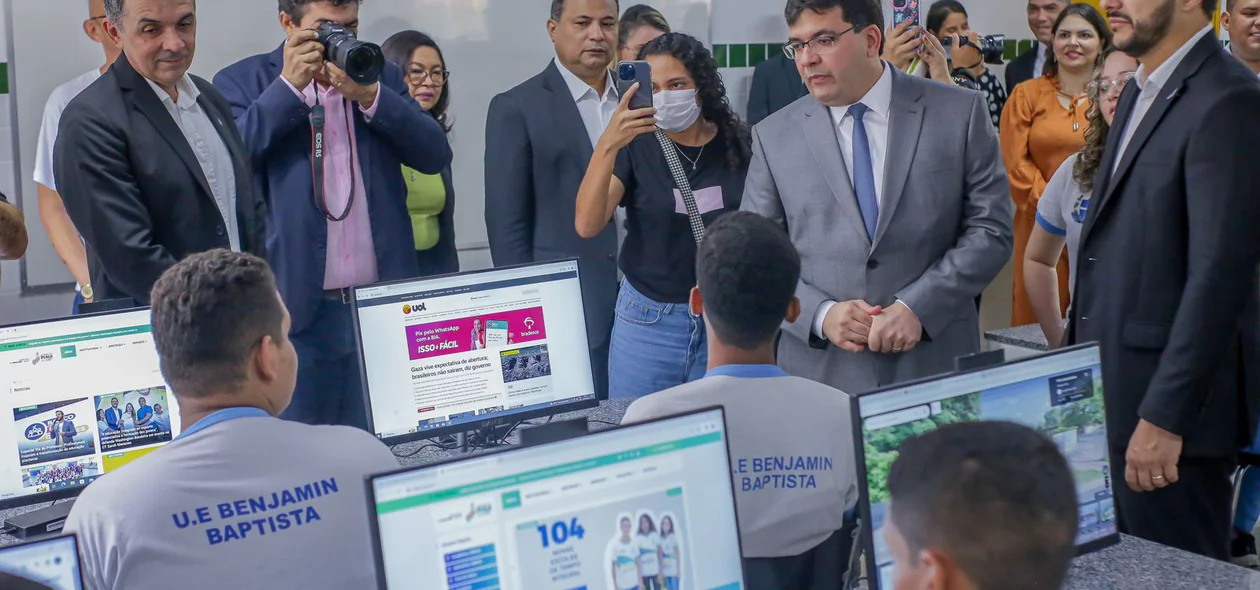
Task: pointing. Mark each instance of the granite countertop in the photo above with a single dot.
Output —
(1029, 336)
(1133, 563)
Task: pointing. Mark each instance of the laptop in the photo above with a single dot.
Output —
(53, 562)
(1059, 393)
(576, 513)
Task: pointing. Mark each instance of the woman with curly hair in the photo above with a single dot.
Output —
(656, 342)
(1061, 210)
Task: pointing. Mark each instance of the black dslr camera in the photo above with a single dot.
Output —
(360, 60)
(990, 47)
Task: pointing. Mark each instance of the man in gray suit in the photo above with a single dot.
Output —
(893, 190)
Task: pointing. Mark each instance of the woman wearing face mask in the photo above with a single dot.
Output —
(1044, 122)
(656, 342)
(430, 197)
(1061, 210)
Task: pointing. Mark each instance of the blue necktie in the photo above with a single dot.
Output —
(864, 171)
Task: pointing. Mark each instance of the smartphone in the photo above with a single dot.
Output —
(629, 72)
(905, 10)
(496, 333)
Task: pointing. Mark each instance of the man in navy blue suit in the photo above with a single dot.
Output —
(359, 232)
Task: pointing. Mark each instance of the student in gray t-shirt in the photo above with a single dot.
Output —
(240, 499)
(790, 438)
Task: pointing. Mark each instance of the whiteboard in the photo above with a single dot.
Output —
(490, 46)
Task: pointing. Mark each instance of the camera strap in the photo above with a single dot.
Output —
(684, 185)
(318, 147)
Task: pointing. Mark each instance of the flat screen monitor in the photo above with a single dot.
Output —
(1060, 394)
(52, 562)
(459, 352)
(85, 397)
(580, 513)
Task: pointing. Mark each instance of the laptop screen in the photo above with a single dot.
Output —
(52, 562)
(447, 353)
(604, 510)
(84, 396)
(1060, 394)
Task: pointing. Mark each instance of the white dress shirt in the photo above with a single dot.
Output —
(878, 101)
(596, 111)
(1039, 66)
(1151, 84)
(211, 151)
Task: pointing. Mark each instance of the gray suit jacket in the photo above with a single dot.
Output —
(944, 231)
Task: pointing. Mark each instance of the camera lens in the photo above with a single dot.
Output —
(625, 72)
(364, 63)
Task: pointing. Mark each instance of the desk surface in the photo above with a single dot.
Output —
(1133, 563)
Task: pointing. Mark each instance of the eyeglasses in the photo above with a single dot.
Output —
(417, 76)
(1104, 86)
(820, 45)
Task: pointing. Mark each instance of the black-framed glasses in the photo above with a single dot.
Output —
(820, 45)
(1103, 86)
(418, 75)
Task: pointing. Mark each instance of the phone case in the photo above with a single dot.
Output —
(905, 10)
(629, 72)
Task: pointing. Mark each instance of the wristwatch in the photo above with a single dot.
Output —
(86, 291)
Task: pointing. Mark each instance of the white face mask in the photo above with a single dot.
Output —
(676, 110)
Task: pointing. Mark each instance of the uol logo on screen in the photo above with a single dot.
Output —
(417, 307)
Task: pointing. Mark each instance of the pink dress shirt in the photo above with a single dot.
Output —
(351, 259)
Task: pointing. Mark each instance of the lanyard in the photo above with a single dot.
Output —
(223, 415)
(317, 160)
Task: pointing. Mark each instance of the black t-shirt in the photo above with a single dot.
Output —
(659, 254)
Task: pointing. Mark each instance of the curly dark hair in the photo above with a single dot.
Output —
(1091, 154)
(398, 49)
(714, 106)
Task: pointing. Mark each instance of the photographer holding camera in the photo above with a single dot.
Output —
(947, 19)
(329, 126)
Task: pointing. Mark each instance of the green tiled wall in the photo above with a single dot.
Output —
(4, 78)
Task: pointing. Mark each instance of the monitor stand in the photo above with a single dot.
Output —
(45, 521)
(484, 438)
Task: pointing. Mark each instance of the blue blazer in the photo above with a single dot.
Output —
(275, 125)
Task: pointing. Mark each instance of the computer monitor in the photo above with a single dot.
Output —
(53, 562)
(1060, 394)
(85, 397)
(460, 352)
(566, 514)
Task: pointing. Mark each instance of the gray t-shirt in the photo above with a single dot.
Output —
(252, 502)
(791, 447)
(1061, 211)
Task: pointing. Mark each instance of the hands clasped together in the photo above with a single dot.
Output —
(856, 326)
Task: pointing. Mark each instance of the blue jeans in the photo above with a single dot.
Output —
(655, 346)
(1248, 511)
(671, 583)
(329, 389)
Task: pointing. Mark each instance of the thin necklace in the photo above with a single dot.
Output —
(695, 162)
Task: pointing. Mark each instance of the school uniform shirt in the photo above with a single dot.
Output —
(659, 254)
(1061, 211)
(649, 563)
(622, 554)
(239, 500)
(669, 550)
(791, 446)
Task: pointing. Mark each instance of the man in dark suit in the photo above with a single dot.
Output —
(1167, 281)
(776, 83)
(360, 232)
(160, 171)
(539, 140)
(1030, 64)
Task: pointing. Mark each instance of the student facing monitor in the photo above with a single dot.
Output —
(1060, 394)
(458, 352)
(85, 397)
(643, 506)
(51, 562)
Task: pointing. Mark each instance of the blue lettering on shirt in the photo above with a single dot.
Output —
(791, 472)
(259, 515)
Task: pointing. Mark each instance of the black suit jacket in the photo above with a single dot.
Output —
(133, 186)
(1021, 68)
(537, 150)
(1167, 275)
(776, 83)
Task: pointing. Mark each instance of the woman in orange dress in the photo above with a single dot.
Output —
(1043, 123)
